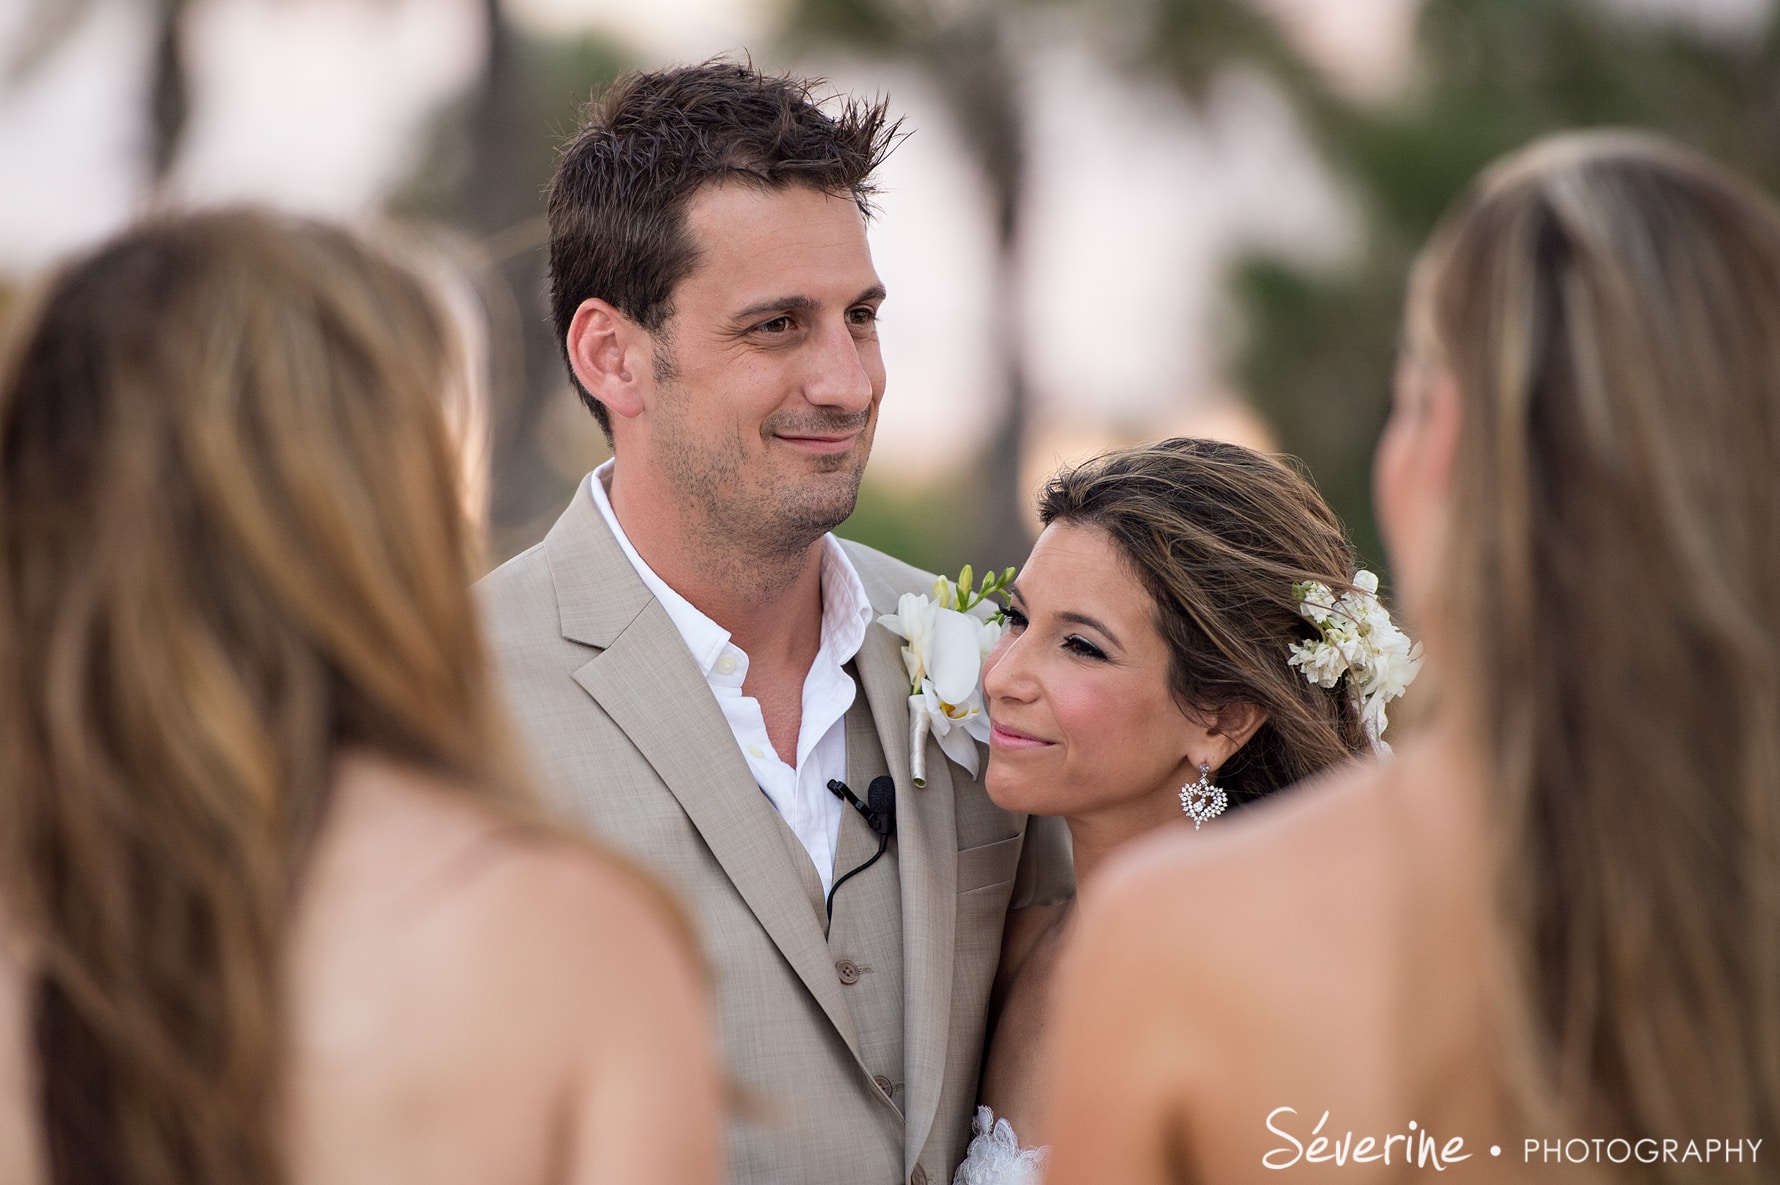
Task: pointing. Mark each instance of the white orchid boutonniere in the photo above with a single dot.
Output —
(947, 636)
(1359, 642)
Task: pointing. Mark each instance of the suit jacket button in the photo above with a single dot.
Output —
(884, 1084)
(918, 1177)
(848, 970)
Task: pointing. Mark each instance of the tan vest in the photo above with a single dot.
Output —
(866, 930)
(865, 935)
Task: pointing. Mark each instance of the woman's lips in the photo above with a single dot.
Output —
(1002, 737)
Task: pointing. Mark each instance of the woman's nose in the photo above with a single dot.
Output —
(1003, 670)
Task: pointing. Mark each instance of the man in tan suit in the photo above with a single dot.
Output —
(695, 661)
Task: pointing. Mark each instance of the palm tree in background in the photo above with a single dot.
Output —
(1319, 346)
(489, 157)
(971, 51)
(1318, 349)
(50, 23)
(965, 50)
(1492, 75)
(490, 153)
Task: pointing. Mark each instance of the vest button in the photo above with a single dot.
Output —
(848, 970)
(918, 1177)
(884, 1084)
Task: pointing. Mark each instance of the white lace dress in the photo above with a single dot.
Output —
(995, 1156)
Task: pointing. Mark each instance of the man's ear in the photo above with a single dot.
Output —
(1229, 730)
(609, 353)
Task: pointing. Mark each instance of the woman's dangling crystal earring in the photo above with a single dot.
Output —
(1201, 800)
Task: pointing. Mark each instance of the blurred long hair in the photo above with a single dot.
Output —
(1609, 307)
(230, 549)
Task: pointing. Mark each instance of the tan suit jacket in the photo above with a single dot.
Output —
(629, 743)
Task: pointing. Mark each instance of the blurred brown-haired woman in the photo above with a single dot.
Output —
(276, 907)
(1551, 929)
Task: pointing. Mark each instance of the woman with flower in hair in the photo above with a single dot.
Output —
(1544, 941)
(1188, 637)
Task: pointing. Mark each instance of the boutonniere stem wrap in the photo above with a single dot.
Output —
(946, 636)
(1359, 643)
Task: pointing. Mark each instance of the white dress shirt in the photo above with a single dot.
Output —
(800, 793)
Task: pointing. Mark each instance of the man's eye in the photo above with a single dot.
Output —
(863, 315)
(776, 325)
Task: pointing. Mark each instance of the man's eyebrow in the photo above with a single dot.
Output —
(776, 304)
(802, 304)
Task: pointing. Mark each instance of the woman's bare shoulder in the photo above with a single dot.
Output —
(409, 868)
(1333, 921)
(1317, 855)
(464, 982)
(433, 933)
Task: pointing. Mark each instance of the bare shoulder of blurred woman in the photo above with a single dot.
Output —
(277, 906)
(544, 1055)
(1316, 967)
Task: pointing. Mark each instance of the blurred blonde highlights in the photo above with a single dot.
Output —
(446, 265)
(1608, 305)
(229, 551)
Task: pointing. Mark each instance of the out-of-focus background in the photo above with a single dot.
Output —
(1115, 220)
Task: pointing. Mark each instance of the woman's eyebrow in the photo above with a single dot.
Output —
(1091, 623)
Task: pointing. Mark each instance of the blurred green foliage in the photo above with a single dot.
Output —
(923, 527)
(1490, 76)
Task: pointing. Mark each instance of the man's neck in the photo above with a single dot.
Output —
(769, 600)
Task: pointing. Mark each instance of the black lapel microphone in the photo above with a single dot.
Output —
(879, 813)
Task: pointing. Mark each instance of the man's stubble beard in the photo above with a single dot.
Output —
(750, 535)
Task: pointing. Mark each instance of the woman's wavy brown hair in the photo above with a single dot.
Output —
(1608, 305)
(230, 548)
(1218, 534)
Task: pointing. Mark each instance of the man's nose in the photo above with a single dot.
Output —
(846, 372)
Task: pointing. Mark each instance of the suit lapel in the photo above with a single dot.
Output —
(927, 845)
(646, 681)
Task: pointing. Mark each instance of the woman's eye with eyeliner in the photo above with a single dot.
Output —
(1076, 644)
(1016, 620)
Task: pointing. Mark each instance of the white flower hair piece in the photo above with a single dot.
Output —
(1360, 643)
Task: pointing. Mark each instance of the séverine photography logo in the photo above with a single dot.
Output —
(1415, 1146)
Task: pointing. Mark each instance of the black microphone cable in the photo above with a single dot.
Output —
(879, 815)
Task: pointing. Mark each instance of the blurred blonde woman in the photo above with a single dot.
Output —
(274, 906)
(1550, 929)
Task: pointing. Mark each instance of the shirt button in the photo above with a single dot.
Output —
(884, 1084)
(756, 750)
(918, 1177)
(726, 665)
(848, 970)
